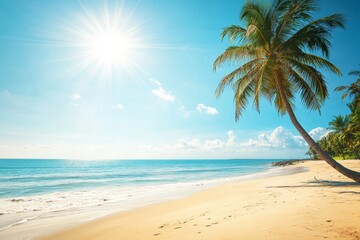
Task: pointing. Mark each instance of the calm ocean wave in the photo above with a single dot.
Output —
(26, 177)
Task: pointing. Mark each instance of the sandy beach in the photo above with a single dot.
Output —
(317, 204)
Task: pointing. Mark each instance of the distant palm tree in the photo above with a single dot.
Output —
(353, 127)
(353, 89)
(354, 116)
(336, 145)
(339, 124)
(277, 67)
(340, 136)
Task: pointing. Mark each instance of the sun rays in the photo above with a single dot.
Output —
(104, 41)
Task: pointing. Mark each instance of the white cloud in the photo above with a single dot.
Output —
(209, 110)
(163, 94)
(118, 107)
(167, 96)
(75, 97)
(318, 133)
(214, 144)
(187, 144)
(278, 143)
(278, 138)
(231, 138)
(160, 92)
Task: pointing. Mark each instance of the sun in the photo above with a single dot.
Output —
(111, 47)
(105, 40)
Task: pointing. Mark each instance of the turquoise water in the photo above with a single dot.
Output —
(27, 177)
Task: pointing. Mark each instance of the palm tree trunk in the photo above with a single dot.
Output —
(328, 159)
(323, 155)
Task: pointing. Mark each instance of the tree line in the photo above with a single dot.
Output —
(344, 139)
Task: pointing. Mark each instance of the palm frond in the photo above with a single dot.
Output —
(340, 88)
(315, 34)
(256, 17)
(287, 87)
(236, 54)
(253, 12)
(317, 62)
(355, 73)
(248, 67)
(244, 89)
(295, 13)
(234, 32)
(241, 100)
(308, 97)
(264, 78)
(315, 78)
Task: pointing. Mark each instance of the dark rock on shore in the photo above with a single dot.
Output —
(287, 162)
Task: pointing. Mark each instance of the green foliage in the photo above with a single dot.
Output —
(274, 50)
(344, 140)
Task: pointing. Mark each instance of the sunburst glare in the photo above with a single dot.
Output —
(111, 47)
(102, 41)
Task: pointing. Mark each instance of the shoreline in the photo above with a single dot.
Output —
(316, 204)
(35, 223)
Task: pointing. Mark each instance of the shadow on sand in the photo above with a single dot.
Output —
(323, 183)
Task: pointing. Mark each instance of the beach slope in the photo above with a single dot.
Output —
(316, 204)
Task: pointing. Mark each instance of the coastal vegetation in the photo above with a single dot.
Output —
(344, 139)
(276, 56)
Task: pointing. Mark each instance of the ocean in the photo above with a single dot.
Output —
(45, 191)
(25, 177)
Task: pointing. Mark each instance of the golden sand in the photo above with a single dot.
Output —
(317, 204)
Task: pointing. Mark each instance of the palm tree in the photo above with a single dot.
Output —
(341, 127)
(339, 124)
(353, 89)
(353, 126)
(325, 144)
(335, 144)
(277, 66)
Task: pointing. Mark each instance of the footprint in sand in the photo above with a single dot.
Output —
(177, 227)
(156, 234)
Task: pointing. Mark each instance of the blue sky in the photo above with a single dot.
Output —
(65, 94)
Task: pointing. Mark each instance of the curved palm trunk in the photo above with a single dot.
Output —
(328, 159)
